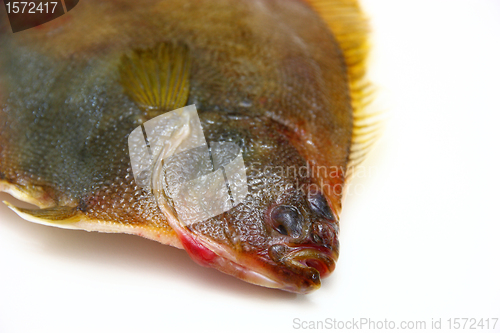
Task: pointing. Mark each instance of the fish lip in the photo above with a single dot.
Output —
(309, 262)
(323, 261)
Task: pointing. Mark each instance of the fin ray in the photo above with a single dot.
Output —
(157, 79)
(60, 216)
(350, 28)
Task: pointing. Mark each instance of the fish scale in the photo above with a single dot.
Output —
(268, 76)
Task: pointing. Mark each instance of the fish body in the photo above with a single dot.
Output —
(268, 76)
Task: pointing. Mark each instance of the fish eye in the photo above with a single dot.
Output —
(319, 205)
(287, 221)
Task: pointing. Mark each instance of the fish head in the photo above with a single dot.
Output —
(284, 233)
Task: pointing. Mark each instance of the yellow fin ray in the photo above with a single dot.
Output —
(157, 79)
(350, 28)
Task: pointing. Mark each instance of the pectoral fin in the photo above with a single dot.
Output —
(157, 79)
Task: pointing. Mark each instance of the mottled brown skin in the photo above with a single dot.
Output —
(267, 75)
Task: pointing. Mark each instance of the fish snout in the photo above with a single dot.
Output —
(298, 232)
(305, 245)
(314, 258)
(307, 264)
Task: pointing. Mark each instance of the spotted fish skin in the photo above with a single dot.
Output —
(267, 75)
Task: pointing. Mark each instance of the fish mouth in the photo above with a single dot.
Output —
(311, 259)
(306, 265)
(299, 270)
(294, 269)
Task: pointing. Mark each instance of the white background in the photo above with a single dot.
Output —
(420, 233)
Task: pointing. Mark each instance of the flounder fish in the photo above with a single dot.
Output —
(280, 81)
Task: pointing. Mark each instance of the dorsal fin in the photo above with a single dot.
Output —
(350, 28)
(157, 79)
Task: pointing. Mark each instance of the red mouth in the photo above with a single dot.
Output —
(321, 261)
(311, 263)
(318, 265)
